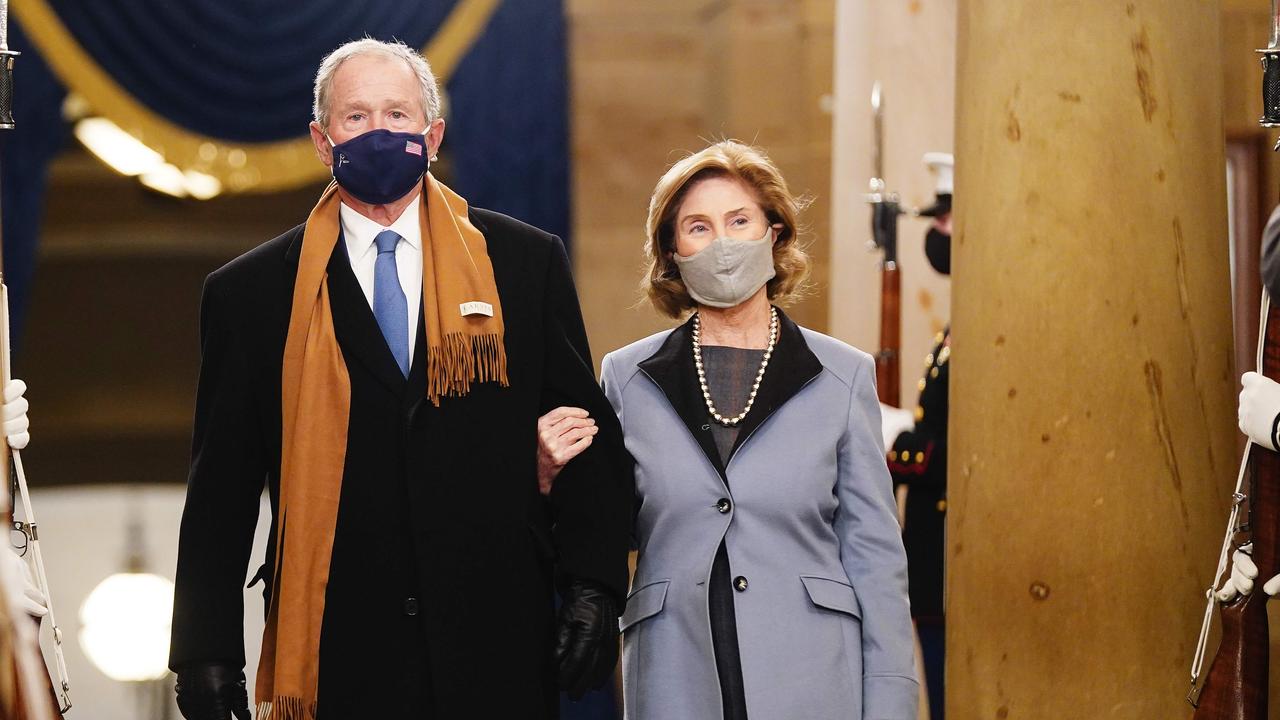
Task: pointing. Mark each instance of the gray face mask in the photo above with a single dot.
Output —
(729, 271)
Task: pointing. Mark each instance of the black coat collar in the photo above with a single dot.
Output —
(792, 366)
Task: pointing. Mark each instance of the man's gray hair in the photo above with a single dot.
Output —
(368, 46)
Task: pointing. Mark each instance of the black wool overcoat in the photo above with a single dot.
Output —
(445, 558)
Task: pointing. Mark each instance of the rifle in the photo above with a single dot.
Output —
(885, 210)
(1236, 686)
(34, 694)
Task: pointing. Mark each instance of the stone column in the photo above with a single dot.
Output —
(1093, 420)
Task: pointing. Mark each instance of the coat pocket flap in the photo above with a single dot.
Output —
(643, 603)
(832, 594)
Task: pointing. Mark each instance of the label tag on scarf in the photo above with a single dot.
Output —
(475, 307)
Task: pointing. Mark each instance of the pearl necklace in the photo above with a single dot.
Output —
(702, 375)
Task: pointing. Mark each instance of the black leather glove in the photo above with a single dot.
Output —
(586, 638)
(212, 691)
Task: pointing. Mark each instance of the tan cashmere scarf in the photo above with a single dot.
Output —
(457, 278)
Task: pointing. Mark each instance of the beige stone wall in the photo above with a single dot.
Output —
(909, 46)
(653, 81)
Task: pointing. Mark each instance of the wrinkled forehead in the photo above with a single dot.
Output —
(369, 79)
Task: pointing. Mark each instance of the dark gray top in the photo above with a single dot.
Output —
(730, 374)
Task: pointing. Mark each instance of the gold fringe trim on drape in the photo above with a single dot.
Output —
(239, 166)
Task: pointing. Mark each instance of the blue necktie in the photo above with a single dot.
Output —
(388, 299)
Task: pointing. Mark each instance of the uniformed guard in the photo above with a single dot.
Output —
(918, 460)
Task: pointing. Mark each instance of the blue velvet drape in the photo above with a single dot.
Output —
(25, 153)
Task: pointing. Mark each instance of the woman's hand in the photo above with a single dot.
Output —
(1259, 405)
(563, 434)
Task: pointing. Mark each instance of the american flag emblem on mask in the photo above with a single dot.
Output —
(412, 147)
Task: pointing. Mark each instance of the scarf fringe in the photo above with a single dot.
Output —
(462, 358)
(286, 708)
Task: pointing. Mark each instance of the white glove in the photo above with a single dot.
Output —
(1259, 405)
(14, 415)
(1243, 574)
(24, 593)
(893, 422)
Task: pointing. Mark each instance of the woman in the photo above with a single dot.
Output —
(771, 579)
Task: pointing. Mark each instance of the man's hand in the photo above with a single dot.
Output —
(1243, 574)
(14, 415)
(212, 691)
(586, 638)
(563, 434)
(1259, 405)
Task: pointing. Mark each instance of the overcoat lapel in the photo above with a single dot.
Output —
(672, 370)
(353, 322)
(792, 366)
(417, 389)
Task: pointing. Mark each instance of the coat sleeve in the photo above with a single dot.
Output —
(224, 488)
(612, 388)
(1271, 255)
(592, 497)
(873, 558)
(613, 391)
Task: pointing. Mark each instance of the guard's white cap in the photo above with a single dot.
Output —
(943, 165)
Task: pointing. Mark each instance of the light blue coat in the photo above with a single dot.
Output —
(824, 628)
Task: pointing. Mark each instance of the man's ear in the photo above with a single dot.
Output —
(435, 137)
(324, 150)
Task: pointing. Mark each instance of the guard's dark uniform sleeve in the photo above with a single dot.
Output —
(223, 490)
(918, 456)
(912, 456)
(592, 497)
(918, 459)
(1270, 263)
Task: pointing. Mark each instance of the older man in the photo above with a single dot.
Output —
(382, 368)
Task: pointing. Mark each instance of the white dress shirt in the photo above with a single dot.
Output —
(359, 233)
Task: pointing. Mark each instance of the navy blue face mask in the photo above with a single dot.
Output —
(380, 166)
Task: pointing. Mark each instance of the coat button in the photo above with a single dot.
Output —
(723, 505)
(740, 584)
(411, 607)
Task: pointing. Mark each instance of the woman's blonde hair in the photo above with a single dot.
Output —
(750, 166)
